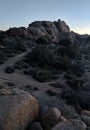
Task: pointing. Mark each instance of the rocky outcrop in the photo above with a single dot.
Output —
(21, 31)
(17, 109)
(54, 31)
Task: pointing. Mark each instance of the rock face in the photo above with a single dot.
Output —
(17, 109)
(54, 31)
(72, 124)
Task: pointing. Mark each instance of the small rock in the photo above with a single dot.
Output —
(5, 92)
(85, 116)
(71, 124)
(62, 119)
(51, 118)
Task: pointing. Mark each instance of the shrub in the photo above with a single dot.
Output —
(88, 39)
(43, 75)
(42, 40)
(20, 47)
(9, 69)
(63, 63)
(47, 57)
(2, 58)
(21, 65)
(66, 42)
(68, 49)
(40, 56)
(76, 84)
(78, 69)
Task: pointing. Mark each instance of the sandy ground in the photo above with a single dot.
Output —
(22, 79)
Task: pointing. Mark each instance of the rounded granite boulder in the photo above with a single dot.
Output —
(17, 109)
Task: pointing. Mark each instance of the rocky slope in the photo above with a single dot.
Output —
(51, 63)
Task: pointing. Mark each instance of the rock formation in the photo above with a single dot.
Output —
(17, 109)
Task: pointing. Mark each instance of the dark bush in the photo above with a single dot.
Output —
(9, 69)
(43, 75)
(2, 58)
(20, 47)
(42, 40)
(78, 69)
(68, 48)
(71, 51)
(10, 83)
(76, 84)
(47, 58)
(40, 56)
(21, 65)
(88, 39)
(63, 63)
(66, 42)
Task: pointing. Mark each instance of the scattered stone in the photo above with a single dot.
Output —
(71, 124)
(5, 91)
(50, 119)
(85, 116)
(62, 119)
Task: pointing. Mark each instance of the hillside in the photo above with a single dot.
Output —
(52, 63)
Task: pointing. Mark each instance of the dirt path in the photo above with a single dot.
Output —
(22, 79)
(11, 61)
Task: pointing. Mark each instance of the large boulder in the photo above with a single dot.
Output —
(71, 124)
(62, 26)
(17, 109)
(54, 31)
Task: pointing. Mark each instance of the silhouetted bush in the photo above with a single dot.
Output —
(78, 69)
(66, 43)
(62, 63)
(47, 57)
(40, 56)
(42, 75)
(20, 47)
(88, 39)
(21, 65)
(42, 40)
(68, 48)
(2, 58)
(9, 69)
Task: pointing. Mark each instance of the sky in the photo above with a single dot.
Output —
(16, 13)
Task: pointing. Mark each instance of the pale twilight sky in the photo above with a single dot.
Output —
(15, 13)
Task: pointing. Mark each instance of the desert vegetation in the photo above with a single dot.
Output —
(53, 59)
